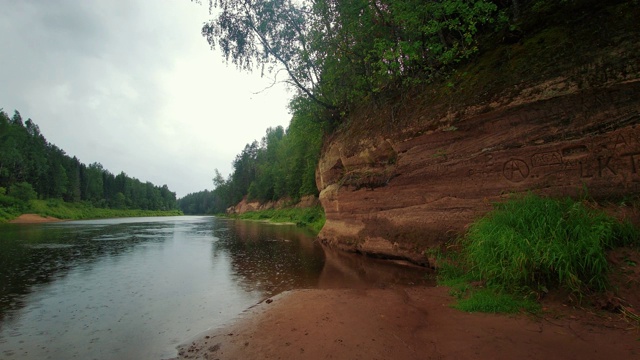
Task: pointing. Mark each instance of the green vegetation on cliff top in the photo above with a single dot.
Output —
(336, 55)
(366, 69)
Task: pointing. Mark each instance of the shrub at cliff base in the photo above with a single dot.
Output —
(530, 244)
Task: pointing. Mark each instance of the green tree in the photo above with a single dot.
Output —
(27, 157)
(73, 191)
(222, 193)
(245, 168)
(59, 181)
(35, 156)
(266, 35)
(23, 191)
(94, 190)
(338, 52)
(120, 201)
(281, 165)
(202, 202)
(263, 187)
(10, 156)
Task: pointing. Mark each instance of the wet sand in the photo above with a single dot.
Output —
(33, 219)
(409, 323)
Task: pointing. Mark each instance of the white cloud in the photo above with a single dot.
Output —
(132, 85)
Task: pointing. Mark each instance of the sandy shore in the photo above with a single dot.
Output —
(32, 219)
(408, 323)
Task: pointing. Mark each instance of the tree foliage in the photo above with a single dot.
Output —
(337, 52)
(31, 167)
(281, 165)
(340, 54)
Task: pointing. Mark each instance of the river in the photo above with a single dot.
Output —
(135, 288)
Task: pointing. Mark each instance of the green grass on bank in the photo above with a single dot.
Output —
(74, 211)
(7, 214)
(312, 217)
(529, 245)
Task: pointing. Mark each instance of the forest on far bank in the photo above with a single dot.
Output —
(32, 168)
(281, 165)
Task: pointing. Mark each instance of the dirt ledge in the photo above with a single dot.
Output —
(33, 219)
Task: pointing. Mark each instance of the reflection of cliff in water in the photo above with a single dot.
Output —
(269, 258)
(274, 258)
(347, 270)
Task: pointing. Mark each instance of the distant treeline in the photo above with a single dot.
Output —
(32, 168)
(282, 165)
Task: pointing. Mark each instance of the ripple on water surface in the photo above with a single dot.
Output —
(136, 288)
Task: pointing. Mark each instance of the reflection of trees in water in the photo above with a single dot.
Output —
(38, 254)
(270, 258)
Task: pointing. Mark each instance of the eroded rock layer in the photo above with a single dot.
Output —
(401, 193)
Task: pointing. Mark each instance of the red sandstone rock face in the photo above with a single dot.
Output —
(400, 195)
(247, 206)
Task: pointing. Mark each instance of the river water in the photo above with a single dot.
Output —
(135, 288)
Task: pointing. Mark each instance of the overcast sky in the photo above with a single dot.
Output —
(133, 85)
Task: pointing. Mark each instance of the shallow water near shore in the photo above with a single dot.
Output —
(135, 288)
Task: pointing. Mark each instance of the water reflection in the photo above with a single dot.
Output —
(136, 288)
(38, 254)
(270, 258)
(346, 270)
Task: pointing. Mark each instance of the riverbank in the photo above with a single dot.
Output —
(309, 217)
(33, 219)
(56, 210)
(409, 323)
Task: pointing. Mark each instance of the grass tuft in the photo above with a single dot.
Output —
(535, 243)
(529, 245)
(491, 301)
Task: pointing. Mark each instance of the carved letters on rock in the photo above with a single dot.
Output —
(441, 181)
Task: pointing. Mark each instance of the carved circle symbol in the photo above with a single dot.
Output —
(515, 170)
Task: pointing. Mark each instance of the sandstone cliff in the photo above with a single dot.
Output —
(248, 206)
(408, 175)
